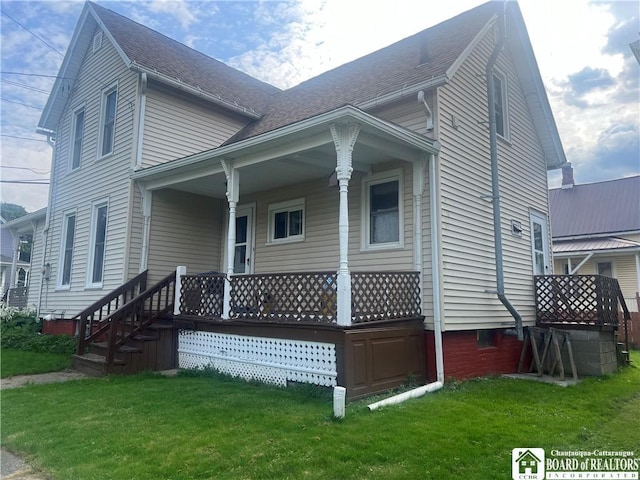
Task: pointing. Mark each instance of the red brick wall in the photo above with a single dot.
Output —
(59, 327)
(464, 359)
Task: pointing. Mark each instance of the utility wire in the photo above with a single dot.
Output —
(28, 182)
(23, 138)
(35, 75)
(26, 168)
(38, 37)
(22, 85)
(20, 103)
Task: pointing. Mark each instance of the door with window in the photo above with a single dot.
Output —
(540, 244)
(243, 257)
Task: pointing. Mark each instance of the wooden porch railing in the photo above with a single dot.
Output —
(578, 299)
(385, 296)
(202, 294)
(130, 318)
(17, 297)
(287, 297)
(303, 297)
(99, 310)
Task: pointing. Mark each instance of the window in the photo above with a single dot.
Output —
(286, 221)
(107, 132)
(486, 338)
(383, 223)
(500, 104)
(97, 244)
(22, 277)
(66, 251)
(76, 140)
(605, 268)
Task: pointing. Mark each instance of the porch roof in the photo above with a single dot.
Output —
(596, 245)
(304, 150)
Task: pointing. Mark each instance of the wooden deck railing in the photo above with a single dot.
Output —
(101, 309)
(385, 296)
(592, 300)
(287, 297)
(131, 318)
(303, 297)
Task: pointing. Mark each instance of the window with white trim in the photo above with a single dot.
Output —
(286, 221)
(97, 244)
(66, 250)
(77, 132)
(108, 122)
(500, 103)
(383, 210)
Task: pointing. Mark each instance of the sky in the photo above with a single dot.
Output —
(582, 49)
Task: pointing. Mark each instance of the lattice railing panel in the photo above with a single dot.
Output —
(583, 299)
(202, 295)
(385, 296)
(269, 360)
(288, 297)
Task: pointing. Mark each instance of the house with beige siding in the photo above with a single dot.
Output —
(596, 230)
(19, 260)
(380, 221)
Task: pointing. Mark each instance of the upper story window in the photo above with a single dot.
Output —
(286, 221)
(97, 244)
(77, 137)
(66, 250)
(108, 123)
(500, 103)
(383, 218)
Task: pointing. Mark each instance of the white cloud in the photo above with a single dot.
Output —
(178, 8)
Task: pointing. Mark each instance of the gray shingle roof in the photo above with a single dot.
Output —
(596, 208)
(155, 51)
(416, 59)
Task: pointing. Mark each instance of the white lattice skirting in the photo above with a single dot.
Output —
(269, 360)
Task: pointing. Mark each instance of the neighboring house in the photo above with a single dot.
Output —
(596, 230)
(18, 241)
(377, 174)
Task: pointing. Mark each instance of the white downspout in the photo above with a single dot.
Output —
(437, 312)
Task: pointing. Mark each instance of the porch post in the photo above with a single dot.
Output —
(419, 170)
(181, 270)
(14, 259)
(344, 138)
(147, 197)
(233, 188)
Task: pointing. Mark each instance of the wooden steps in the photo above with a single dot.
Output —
(153, 349)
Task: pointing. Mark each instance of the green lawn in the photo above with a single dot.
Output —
(151, 427)
(20, 362)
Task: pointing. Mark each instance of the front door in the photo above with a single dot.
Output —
(243, 258)
(540, 244)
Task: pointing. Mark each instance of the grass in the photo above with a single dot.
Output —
(199, 427)
(19, 362)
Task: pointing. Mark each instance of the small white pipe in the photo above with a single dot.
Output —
(339, 396)
(401, 397)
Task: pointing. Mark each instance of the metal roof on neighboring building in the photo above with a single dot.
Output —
(596, 244)
(600, 208)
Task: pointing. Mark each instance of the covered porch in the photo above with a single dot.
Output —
(328, 270)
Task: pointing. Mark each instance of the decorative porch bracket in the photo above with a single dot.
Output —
(233, 192)
(344, 139)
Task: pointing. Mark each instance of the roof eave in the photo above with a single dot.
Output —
(345, 113)
(175, 83)
(45, 125)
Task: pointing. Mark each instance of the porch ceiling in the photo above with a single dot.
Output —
(300, 153)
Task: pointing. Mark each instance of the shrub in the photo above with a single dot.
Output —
(20, 330)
